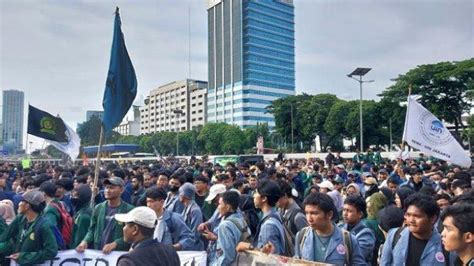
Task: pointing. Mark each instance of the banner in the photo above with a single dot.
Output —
(96, 257)
(426, 133)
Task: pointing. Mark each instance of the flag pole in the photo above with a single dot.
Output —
(95, 189)
(406, 119)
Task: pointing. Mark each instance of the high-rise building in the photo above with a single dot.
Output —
(176, 106)
(12, 119)
(251, 59)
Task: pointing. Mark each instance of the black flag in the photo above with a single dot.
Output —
(45, 125)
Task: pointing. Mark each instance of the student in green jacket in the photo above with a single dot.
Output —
(105, 233)
(51, 212)
(29, 239)
(80, 199)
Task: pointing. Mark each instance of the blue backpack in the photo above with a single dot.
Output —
(56, 232)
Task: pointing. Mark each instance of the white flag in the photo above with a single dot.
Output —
(426, 133)
(71, 148)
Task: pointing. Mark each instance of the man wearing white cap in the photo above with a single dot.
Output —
(138, 230)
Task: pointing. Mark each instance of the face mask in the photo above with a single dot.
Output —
(367, 188)
(75, 202)
(174, 188)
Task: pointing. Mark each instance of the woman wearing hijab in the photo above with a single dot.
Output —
(400, 196)
(375, 203)
(6, 211)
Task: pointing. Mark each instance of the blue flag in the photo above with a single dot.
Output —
(121, 85)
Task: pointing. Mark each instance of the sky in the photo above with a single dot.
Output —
(58, 52)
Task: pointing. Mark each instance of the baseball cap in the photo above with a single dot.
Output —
(142, 215)
(215, 190)
(341, 166)
(115, 181)
(34, 197)
(326, 184)
(370, 181)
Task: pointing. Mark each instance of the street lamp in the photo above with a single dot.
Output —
(177, 112)
(360, 72)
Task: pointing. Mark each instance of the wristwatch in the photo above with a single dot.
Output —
(251, 247)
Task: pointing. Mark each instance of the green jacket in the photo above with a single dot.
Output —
(97, 227)
(33, 249)
(52, 214)
(82, 221)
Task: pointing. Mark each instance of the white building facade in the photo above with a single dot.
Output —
(176, 106)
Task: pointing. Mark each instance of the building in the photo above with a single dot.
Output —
(251, 59)
(130, 126)
(90, 113)
(176, 106)
(12, 119)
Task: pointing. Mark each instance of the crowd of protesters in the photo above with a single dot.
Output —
(364, 210)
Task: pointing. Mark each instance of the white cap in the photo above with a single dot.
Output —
(215, 190)
(326, 184)
(143, 216)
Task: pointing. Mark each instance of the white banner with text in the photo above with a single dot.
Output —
(97, 258)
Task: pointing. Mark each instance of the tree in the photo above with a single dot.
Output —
(89, 131)
(287, 112)
(335, 124)
(446, 89)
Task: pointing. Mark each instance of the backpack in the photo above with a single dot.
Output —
(66, 223)
(347, 243)
(287, 237)
(54, 229)
(245, 235)
(251, 219)
(290, 222)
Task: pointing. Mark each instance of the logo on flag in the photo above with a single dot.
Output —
(433, 130)
(48, 126)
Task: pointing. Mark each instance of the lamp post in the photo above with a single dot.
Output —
(177, 112)
(360, 72)
(292, 134)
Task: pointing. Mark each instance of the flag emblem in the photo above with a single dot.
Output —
(48, 126)
(433, 130)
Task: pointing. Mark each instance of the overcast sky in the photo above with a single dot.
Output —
(58, 52)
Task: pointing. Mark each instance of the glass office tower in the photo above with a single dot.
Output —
(251, 59)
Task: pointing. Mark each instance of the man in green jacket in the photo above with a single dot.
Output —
(80, 200)
(105, 233)
(29, 239)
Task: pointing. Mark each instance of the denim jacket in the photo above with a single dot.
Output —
(336, 251)
(271, 230)
(366, 239)
(432, 254)
(175, 231)
(228, 236)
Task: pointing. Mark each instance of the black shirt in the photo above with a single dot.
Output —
(415, 250)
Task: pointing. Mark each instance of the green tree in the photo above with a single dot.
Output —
(312, 115)
(288, 116)
(89, 131)
(446, 89)
(335, 124)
